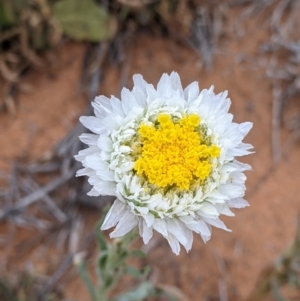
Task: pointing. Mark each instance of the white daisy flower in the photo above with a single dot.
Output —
(168, 156)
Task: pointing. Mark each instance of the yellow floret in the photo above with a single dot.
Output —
(194, 120)
(146, 131)
(203, 170)
(164, 118)
(214, 151)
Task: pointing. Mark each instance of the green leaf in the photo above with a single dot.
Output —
(134, 272)
(101, 240)
(83, 272)
(129, 238)
(145, 290)
(146, 271)
(84, 20)
(138, 254)
(103, 258)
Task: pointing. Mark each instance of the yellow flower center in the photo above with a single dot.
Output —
(174, 153)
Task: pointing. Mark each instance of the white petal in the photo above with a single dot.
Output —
(104, 102)
(217, 223)
(92, 123)
(175, 228)
(237, 203)
(200, 227)
(209, 209)
(145, 232)
(176, 84)
(231, 191)
(140, 96)
(93, 192)
(222, 123)
(237, 152)
(99, 110)
(245, 127)
(154, 201)
(128, 100)
(125, 225)
(114, 214)
(90, 139)
(117, 106)
(174, 244)
(113, 123)
(103, 187)
(86, 152)
(106, 175)
(124, 149)
(105, 143)
(164, 86)
(142, 210)
(181, 232)
(94, 161)
(223, 209)
(205, 238)
(85, 172)
(139, 90)
(105, 156)
(149, 219)
(245, 146)
(191, 92)
(151, 93)
(175, 102)
(160, 226)
(189, 238)
(140, 83)
(241, 166)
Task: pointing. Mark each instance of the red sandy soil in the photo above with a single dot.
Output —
(259, 232)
